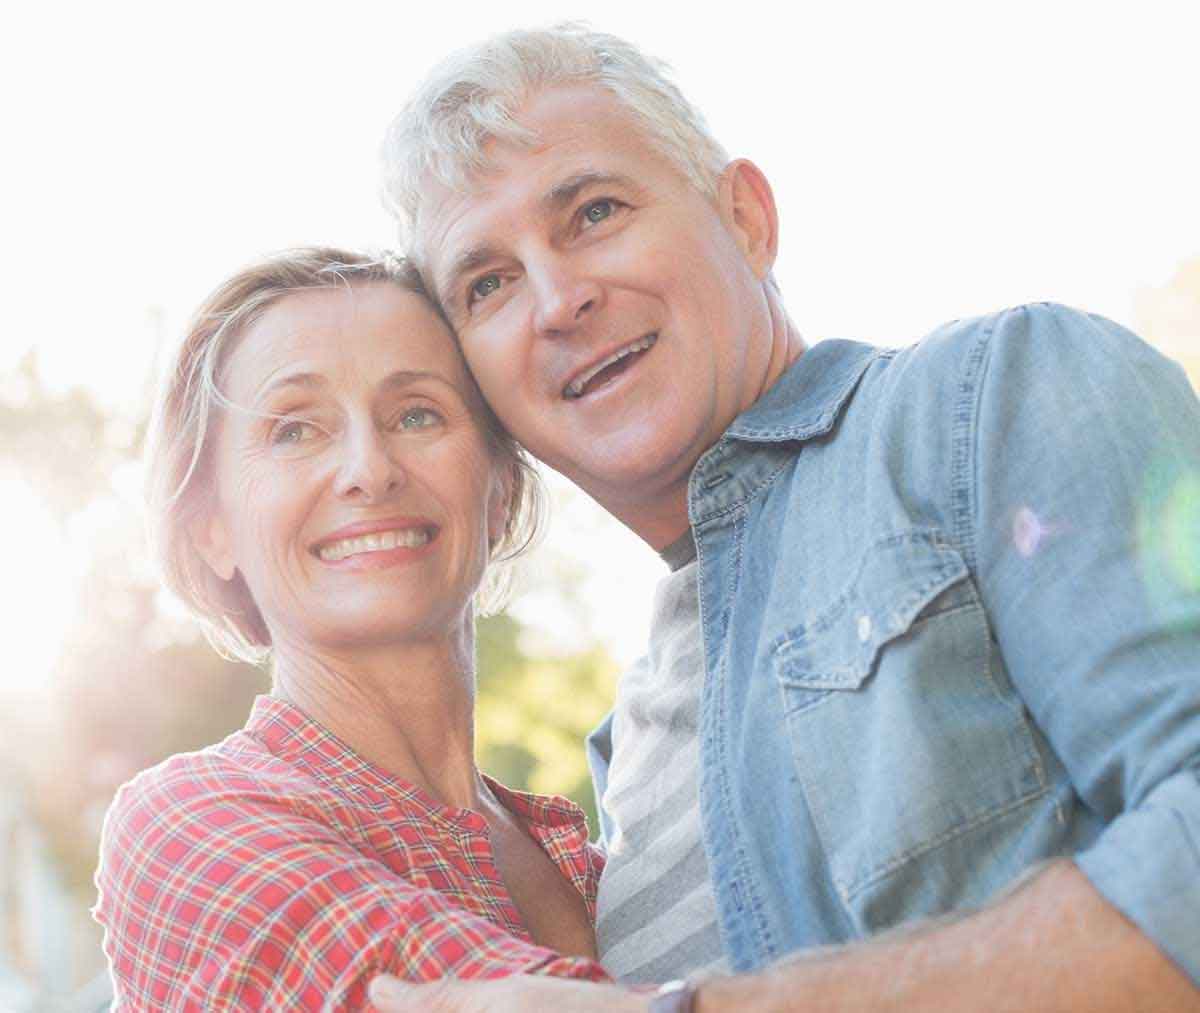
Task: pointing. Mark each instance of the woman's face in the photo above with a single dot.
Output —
(356, 494)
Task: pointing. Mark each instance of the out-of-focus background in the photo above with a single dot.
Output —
(930, 161)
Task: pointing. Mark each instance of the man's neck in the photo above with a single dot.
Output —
(659, 523)
(665, 520)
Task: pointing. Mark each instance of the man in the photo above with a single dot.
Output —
(922, 701)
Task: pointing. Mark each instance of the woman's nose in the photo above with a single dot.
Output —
(369, 469)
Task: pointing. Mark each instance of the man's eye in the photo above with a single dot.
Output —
(598, 210)
(418, 418)
(485, 286)
(293, 432)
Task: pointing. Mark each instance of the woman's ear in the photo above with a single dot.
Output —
(747, 207)
(213, 544)
(500, 497)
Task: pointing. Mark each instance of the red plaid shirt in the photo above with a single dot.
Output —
(280, 870)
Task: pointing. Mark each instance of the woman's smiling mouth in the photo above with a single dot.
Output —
(376, 541)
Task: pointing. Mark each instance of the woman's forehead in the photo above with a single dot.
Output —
(353, 334)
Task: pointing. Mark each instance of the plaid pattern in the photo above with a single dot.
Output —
(280, 870)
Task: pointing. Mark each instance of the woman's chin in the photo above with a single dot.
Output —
(391, 623)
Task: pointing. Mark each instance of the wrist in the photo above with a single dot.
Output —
(673, 997)
(733, 993)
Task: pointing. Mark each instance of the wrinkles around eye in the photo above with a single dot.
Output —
(293, 432)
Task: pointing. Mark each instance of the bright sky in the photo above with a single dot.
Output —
(930, 160)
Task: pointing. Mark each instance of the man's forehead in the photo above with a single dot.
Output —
(569, 131)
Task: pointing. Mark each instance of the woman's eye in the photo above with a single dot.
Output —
(485, 286)
(598, 210)
(293, 432)
(419, 418)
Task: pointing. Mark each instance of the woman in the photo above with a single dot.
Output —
(327, 490)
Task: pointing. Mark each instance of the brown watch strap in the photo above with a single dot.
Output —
(673, 997)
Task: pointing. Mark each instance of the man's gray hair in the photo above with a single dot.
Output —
(475, 96)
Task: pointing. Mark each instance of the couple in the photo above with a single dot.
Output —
(919, 724)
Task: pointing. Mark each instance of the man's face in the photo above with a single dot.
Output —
(604, 304)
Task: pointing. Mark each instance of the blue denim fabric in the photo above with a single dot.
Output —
(950, 599)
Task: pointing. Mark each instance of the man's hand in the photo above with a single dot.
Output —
(517, 994)
(1054, 943)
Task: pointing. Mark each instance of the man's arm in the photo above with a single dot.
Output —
(1085, 525)
(1054, 944)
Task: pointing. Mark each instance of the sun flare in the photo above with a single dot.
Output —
(37, 590)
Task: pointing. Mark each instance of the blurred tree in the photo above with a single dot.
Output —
(1169, 317)
(532, 714)
(63, 444)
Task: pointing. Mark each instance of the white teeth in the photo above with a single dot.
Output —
(409, 538)
(575, 387)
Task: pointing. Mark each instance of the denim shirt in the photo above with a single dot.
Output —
(950, 601)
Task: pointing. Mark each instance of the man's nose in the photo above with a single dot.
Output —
(564, 294)
(369, 469)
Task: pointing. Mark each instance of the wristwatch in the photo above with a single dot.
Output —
(673, 997)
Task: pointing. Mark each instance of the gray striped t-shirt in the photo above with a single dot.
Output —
(656, 918)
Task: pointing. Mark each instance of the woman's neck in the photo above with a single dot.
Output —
(407, 708)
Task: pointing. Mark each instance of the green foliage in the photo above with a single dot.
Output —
(531, 714)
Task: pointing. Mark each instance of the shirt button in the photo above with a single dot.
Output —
(864, 628)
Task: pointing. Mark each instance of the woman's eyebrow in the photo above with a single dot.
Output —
(315, 381)
(407, 377)
(304, 381)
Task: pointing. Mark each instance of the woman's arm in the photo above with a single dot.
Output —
(217, 896)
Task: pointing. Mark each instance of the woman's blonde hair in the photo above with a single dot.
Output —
(179, 446)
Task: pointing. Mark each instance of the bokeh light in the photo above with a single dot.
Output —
(38, 588)
(1169, 530)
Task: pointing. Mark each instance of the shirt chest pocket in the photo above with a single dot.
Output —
(905, 731)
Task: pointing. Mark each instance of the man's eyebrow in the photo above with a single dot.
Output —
(464, 264)
(562, 194)
(565, 192)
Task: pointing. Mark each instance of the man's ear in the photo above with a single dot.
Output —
(213, 544)
(747, 207)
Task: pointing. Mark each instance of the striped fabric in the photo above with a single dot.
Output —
(656, 913)
(280, 870)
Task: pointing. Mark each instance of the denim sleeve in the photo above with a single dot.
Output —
(1085, 526)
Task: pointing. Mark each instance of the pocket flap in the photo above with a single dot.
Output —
(898, 581)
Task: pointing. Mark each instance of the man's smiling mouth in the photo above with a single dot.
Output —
(606, 369)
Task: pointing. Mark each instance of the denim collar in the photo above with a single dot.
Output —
(806, 401)
(803, 403)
